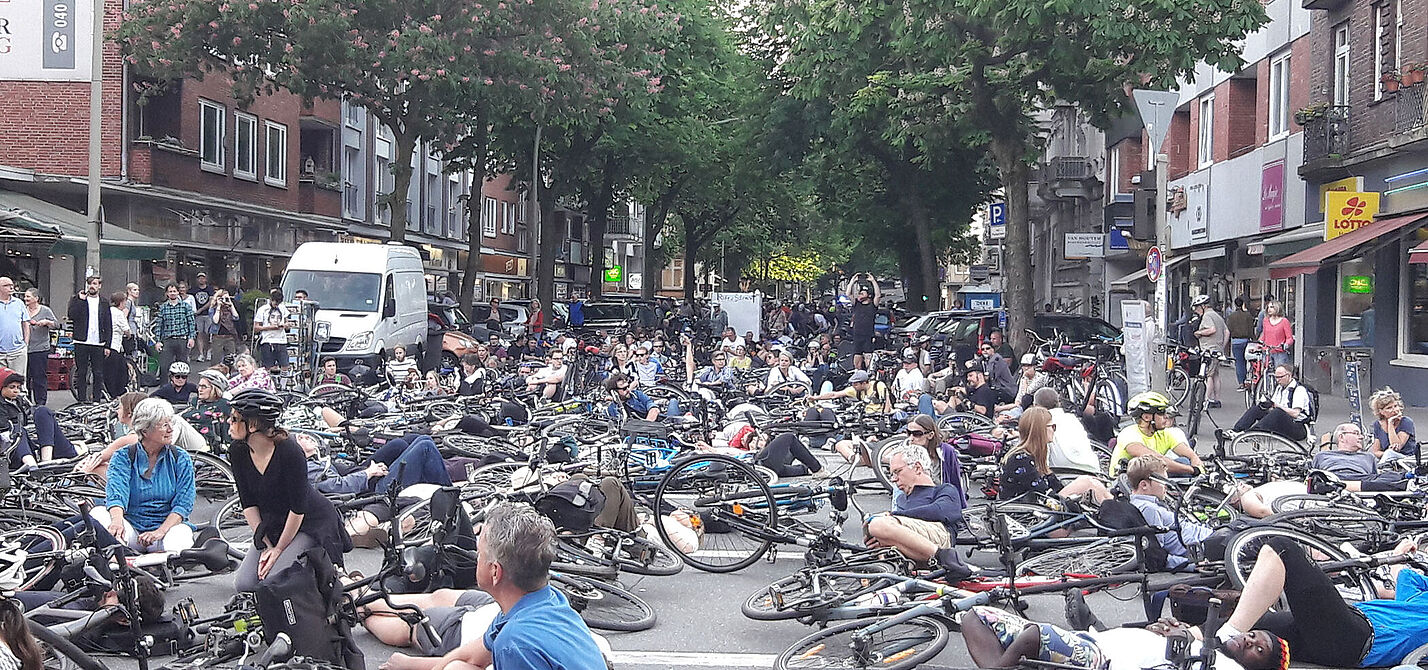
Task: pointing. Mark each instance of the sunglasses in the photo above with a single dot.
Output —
(914, 432)
(179, 376)
(625, 387)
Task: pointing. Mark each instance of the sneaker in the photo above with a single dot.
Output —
(823, 473)
(1213, 404)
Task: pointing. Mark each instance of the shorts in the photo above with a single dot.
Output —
(272, 355)
(862, 344)
(935, 532)
(1058, 645)
(446, 622)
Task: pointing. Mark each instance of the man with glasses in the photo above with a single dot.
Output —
(923, 522)
(1356, 467)
(999, 373)
(550, 378)
(716, 378)
(632, 400)
(178, 390)
(93, 324)
(648, 369)
(14, 329)
(1287, 412)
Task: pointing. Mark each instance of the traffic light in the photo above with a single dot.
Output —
(1143, 228)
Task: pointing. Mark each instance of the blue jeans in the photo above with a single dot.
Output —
(924, 405)
(1279, 358)
(1237, 349)
(421, 458)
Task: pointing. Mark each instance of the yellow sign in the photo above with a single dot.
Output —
(1347, 211)
(1346, 184)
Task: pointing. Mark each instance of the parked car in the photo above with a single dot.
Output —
(620, 314)
(961, 335)
(457, 338)
(513, 317)
(557, 314)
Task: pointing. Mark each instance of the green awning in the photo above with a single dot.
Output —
(115, 243)
(16, 226)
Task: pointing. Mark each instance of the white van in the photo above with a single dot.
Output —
(371, 296)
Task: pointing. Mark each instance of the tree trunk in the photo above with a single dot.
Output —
(910, 264)
(652, 261)
(401, 184)
(926, 267)
(1017, 272)
(689, 248)
(474, 211)
(551, 237)
(599, 225)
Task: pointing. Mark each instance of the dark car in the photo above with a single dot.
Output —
(619, 315)
(961, 335)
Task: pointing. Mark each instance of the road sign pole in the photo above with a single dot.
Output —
(1159, 376)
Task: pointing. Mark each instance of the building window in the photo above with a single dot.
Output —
(1279, 97)
(508, 218)
(1413, 311)
(1113, 170)
(1341, 64)
(1207, 130)
(354, 114)
(1382, 43)
(245, 145)
(523, 239)
(352, 202)
(1355, 301)
(275, 171)
(210, 139)
(488, 217)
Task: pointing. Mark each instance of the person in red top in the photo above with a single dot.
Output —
(535, 325)
(1277, 334)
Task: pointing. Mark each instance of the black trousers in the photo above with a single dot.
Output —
(1272, 420)
(88, 360)
(781, 452)
(1320, 627)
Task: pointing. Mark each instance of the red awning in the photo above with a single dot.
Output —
(1314, 257)
(1418, 254)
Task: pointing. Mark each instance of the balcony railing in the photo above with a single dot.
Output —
(1327, 135)
(1408, 108)
(1068, 168)
(622, 225)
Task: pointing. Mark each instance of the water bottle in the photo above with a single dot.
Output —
(880, 598)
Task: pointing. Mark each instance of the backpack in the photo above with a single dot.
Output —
(303, 600)
(572, 504)
(1120, 514)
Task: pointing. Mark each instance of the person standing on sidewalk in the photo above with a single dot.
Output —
(117, 376)
(202, 301)
(93, 325)
(42, 319)
(1241, 325)
(1212, 336)
(174, 328)
(14, 328)
(270, 325)
(223, 316)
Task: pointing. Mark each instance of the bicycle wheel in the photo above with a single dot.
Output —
(19, 518)
(642, 556)
(604, 605)
(31, 541)
(1022, 519)
(233, 527)
(1196, 407)
(1209, 508)
(903, 645)
(1335, 523)
(467, 446)
(958, 423)
(1243, 550)
(1177, 386)
(573, 558)
(878, 454)
(58, 653)
(809, 590)
(1108, 397)
(1298, 501)
(212, 477)
(728, 503)
(1100, 559)
(1260, 442)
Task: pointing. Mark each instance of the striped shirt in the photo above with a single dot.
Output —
(175, 319)
(147, 501)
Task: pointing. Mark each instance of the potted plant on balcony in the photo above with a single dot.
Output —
(1307, 115)
(1391, 81)
(1413, 73)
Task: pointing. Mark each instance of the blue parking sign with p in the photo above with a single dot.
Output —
(997, 214)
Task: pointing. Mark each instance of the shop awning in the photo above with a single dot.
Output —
(1325, 253)
(115, 243)
(1140, 274)
(1288, 242)
(1418, 254)
(17, 226)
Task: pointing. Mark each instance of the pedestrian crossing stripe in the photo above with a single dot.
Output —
(684, 659)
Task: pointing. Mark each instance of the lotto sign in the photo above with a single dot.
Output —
(45, 40)
(1347, 211)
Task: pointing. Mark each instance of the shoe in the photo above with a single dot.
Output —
(823, 473)
(1213, 404)
(949, 561)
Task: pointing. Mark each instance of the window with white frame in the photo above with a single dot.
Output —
(1382, 42)
(275, 171)
(211, 136)
(1398, 34)
(1207, 130)
(488, 217)
(1341, 64)
(1412, 310)
(453, 206)
(1113, 170)
(245, 145)
(508, 218)
(1279, 97)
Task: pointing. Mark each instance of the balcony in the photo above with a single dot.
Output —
(1326, 139)
(623, 225)
(1408, 109)
(1327, 5)
(1067, 178)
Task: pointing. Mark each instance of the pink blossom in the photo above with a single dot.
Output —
(440, 72)
(436, 17)
(425, 29)
(488, 81)
(237, 41)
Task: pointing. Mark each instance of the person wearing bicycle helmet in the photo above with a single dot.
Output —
(287, 515)
(178, 390)
(209, 412)
(1154, 433)
(1213, 335)
(35, 433)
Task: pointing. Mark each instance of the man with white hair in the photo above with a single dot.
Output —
(922, 524)
(1357, 468)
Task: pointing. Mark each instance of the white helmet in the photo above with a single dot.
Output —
(179, 368)
(1202, 299)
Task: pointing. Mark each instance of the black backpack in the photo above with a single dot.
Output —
(304, 601)
(572, 504)
(1120, 514)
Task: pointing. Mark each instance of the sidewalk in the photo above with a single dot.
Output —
(1334, 410)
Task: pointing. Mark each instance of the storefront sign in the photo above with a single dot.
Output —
(1358, 284)
(1135, 346)
(1085, 245)
(1348, 211)
(45, 40)
(1271, 197)
(1346, 184)
(614, 273)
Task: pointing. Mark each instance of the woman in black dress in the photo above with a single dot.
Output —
(288, 516)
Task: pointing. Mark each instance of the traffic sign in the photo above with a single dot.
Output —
(997, 220)
(1154, 264)
(1156, 109)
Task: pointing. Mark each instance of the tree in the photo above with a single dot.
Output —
(972, 72)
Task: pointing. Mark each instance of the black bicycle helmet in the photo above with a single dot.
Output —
(262, 406)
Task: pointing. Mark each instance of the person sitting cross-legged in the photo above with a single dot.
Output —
(1154, 434)
(923, 525)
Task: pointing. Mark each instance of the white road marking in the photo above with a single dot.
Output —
(683, 659)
